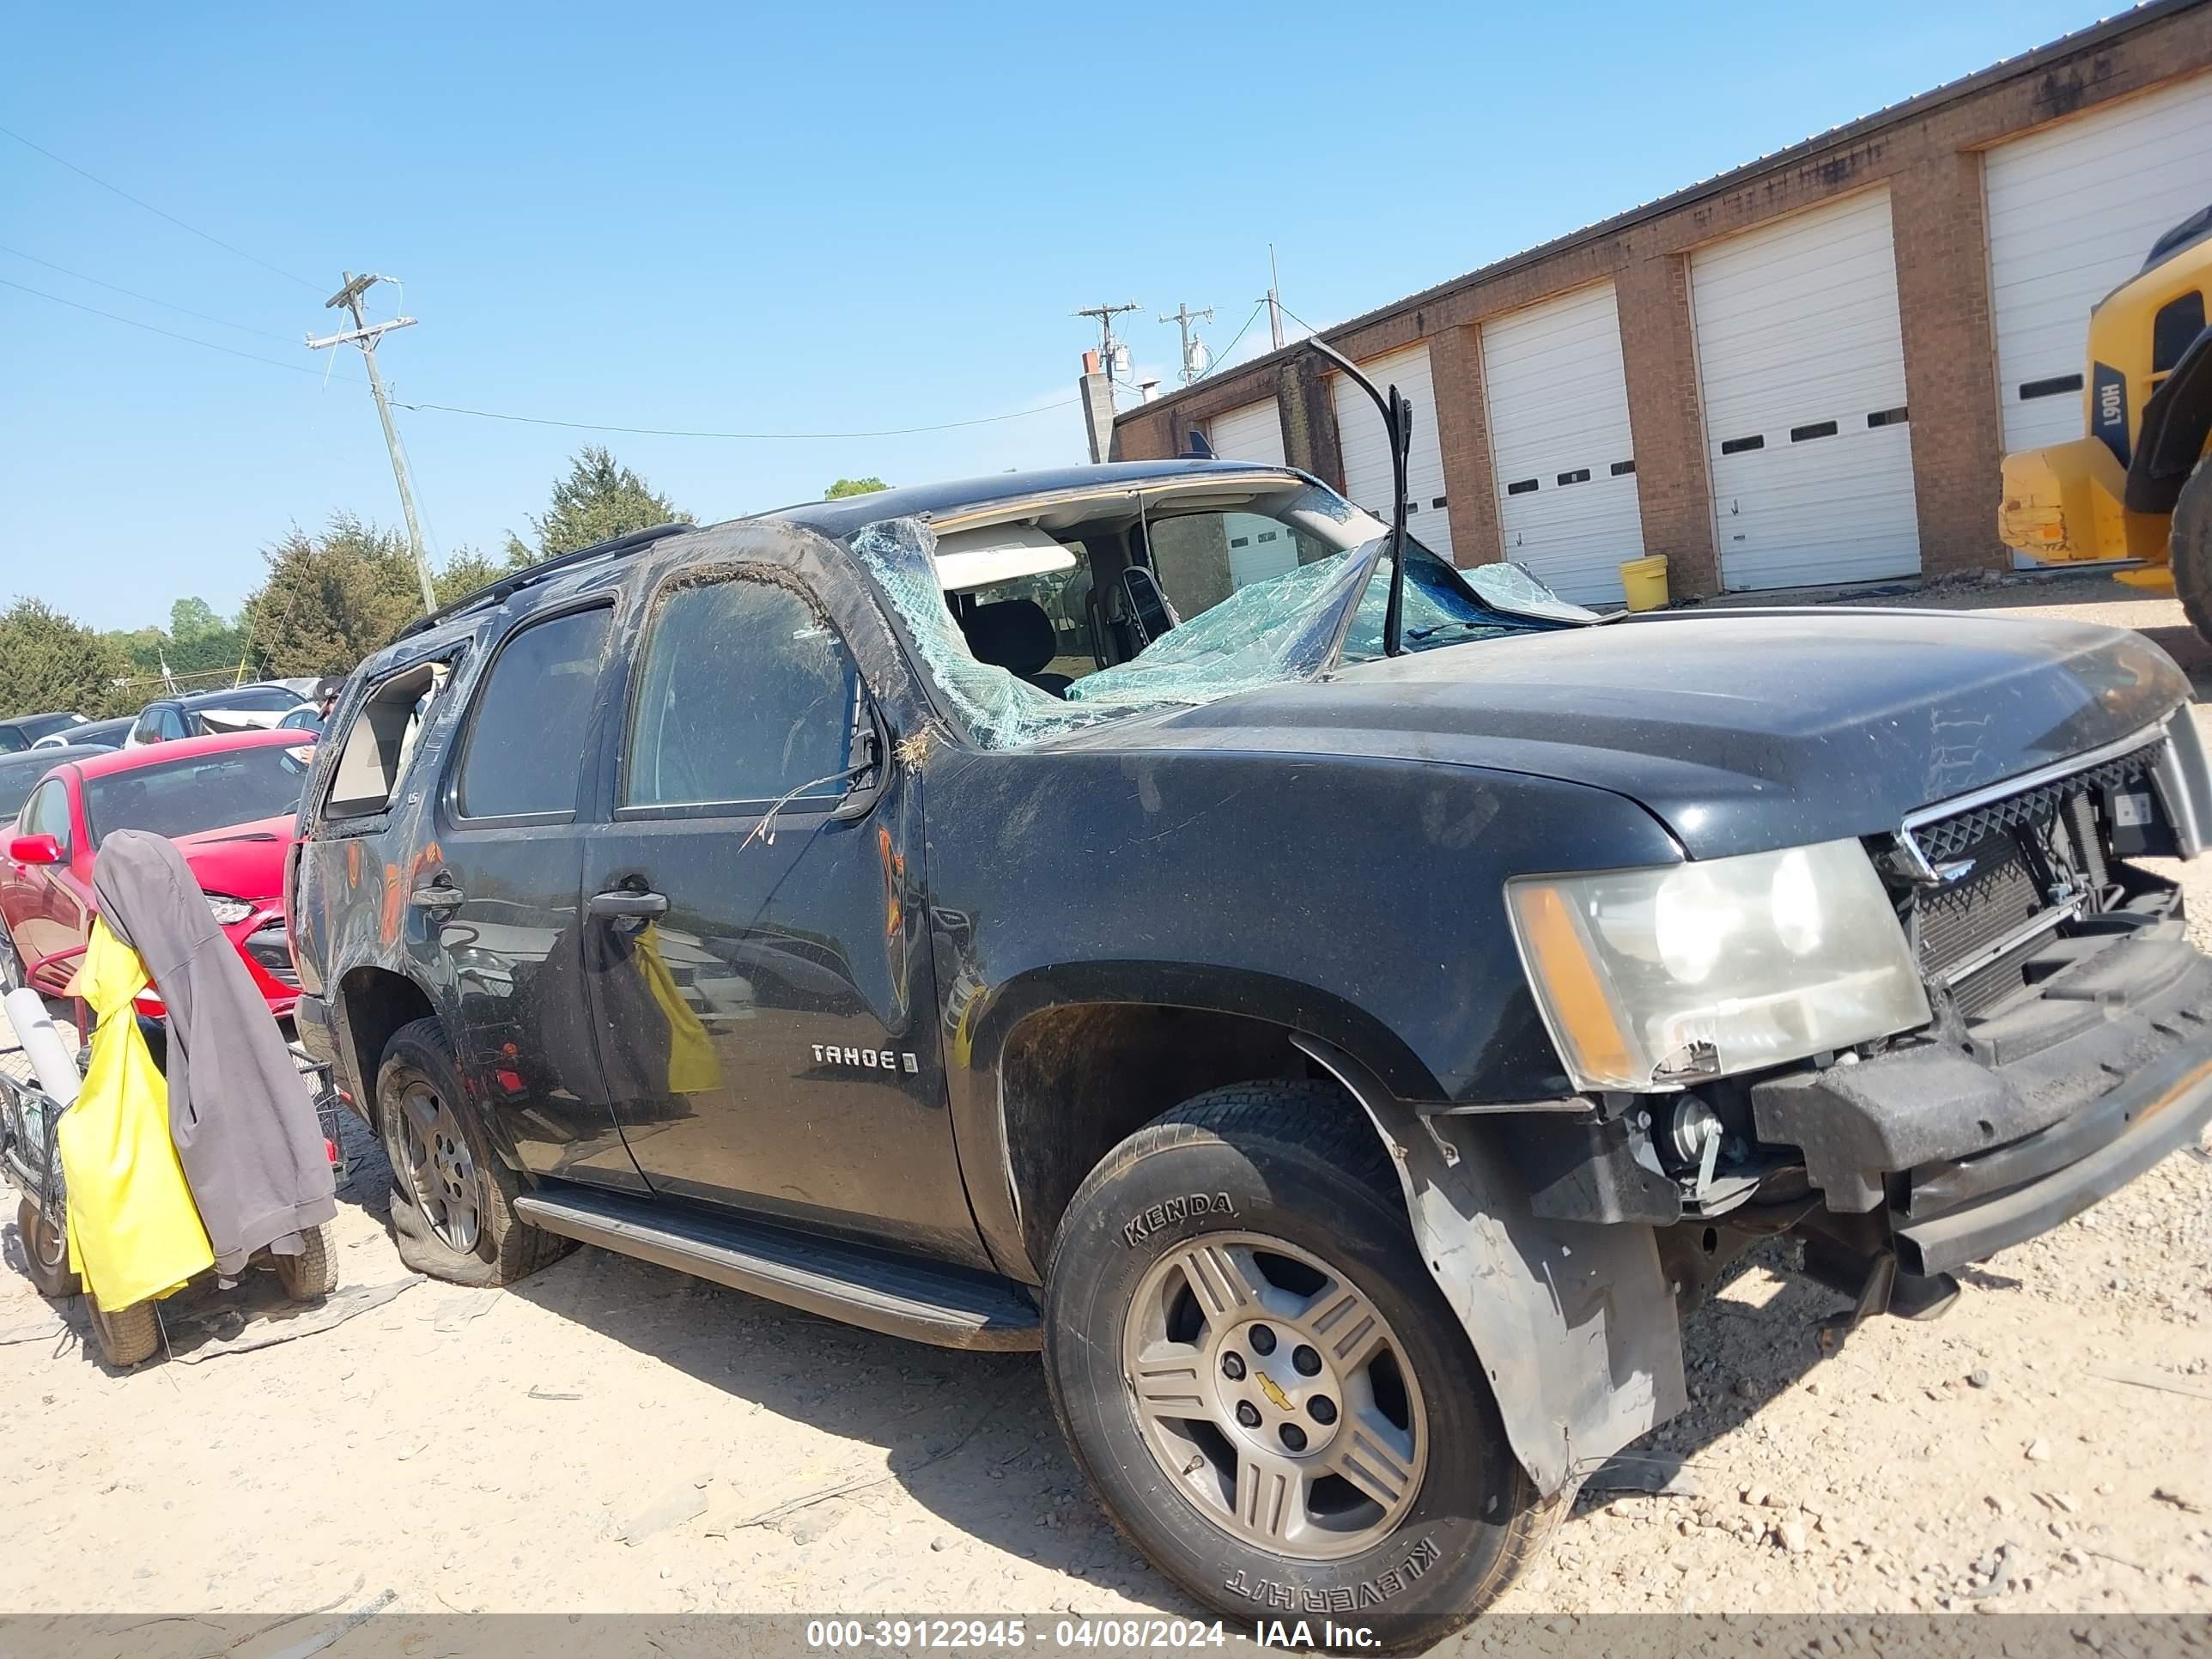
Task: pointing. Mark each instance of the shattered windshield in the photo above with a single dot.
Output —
(1293, 623)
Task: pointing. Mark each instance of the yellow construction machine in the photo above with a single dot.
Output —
(2139, 486)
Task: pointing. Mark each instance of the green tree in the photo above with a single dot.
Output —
(50, 661)
(845, 487)
(467, 570)
(598, 498)
(198, 642)
(329, 600)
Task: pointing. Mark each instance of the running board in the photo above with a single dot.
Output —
(949, 1307)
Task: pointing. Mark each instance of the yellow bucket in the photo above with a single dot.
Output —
(1645, 582)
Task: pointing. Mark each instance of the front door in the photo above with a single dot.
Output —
(759, 977)
(52, 922)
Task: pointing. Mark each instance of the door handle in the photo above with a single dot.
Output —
(438, 896)
(624, 905)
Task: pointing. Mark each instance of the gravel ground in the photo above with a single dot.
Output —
(610, 1436)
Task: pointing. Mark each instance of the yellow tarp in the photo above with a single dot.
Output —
(692, 1067)
(133, 1230)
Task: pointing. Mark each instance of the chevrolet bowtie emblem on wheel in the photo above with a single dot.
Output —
(1276, 1397)
(874, 1060)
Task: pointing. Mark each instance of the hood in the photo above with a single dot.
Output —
(245, 861)
(1739, 730)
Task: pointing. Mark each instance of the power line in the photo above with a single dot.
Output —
(173, 219)
(133, 322)
(132, 293)
(1222, 359)
(539, 420)
(759, 437)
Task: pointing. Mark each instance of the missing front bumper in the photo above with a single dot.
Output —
(1955, 1156)
(2141, 1119)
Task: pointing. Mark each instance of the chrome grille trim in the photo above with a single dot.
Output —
(1914, 858)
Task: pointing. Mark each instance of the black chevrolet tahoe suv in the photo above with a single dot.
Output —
(1043, 912)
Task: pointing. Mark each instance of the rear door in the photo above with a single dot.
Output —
(495, 887)
(760, 992)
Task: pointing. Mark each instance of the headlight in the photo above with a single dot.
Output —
(226, 909)
(1653, 977)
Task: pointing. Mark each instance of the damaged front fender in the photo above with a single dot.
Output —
(1573, 1323)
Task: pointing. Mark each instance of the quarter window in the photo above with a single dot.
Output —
(526, 744)
(746, 693)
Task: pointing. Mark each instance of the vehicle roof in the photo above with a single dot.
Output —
(46, 714)
(106, 762)
(841, 518)
(47, 758)
(554, 579)
(196, 700)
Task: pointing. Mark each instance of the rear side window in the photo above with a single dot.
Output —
(525, 744)
(377, 744)
(747, 694)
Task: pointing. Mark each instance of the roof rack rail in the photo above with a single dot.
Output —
(531, 575)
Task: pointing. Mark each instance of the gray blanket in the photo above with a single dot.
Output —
(239, 1110)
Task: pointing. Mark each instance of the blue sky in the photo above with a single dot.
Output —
(786, 219)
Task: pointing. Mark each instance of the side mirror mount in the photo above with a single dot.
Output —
(35, 849)
(1146, 604)
(869, 775)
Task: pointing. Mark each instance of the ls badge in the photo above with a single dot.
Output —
(875, 1060)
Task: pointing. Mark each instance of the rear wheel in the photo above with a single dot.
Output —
(313, 1272)
(1264, 1385)
(2189, 548)
(451, 1195)
(45, 1254)
(127, 1337)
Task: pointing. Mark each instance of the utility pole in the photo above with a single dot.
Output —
(1107, 346)
(1182, 317)
(365, 334)
(1274, 300)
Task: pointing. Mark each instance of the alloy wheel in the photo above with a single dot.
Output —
(441, 1175)
(1274, 1395)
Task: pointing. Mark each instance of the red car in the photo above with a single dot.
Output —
(228, 802)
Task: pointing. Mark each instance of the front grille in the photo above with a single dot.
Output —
(2025, 853)
(1947, 838)
(273, 951)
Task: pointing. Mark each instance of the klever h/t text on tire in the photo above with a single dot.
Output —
(1260, 1379)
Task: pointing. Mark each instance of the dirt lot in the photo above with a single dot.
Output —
(612, 1437)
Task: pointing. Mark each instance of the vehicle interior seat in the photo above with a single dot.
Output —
(1017, 636)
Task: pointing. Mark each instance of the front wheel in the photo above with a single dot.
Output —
(128, 1336)
(2189, 548)
(1262, 1382)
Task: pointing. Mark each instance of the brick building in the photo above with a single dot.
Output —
(1803, 371)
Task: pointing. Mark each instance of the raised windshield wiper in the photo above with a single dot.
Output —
(1398, 420)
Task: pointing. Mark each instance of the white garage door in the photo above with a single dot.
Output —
(1802, 372)
(1366, 447)
(2073, 210)
(1559, 444)
(1253, 433)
